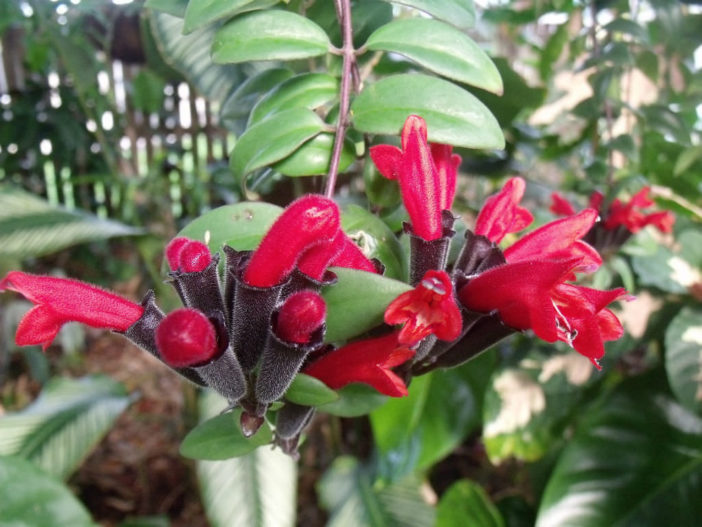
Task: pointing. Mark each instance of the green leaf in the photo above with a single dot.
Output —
(460, 13)
(658, 266)
(453, 115)
(686, 159)
(412, 433)
(147, 91)
(240, 226)
(202, 12)
(33, 498)
(627, 27)
(190, 55)
(30, 226)
(527, 407)
(221, 438)
(172, 7)
(273, 139)
(465, 504)
(375, 239)
(314, 156)
(354, 400)
(350, 314)
(269, 35)
(255, 490)
(60, 428)
(683, 358)
(235, 110)
(439, 48)
(552, 51)
(308, 90)
(636, 459)
(309, 391)
(346, 490)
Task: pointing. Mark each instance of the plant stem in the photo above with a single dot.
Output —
(348, 64)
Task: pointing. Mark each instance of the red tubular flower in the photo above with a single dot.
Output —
(521, 294)
(186, 338)
(583, 320)
(61, 300)
(300, 316)
(428, 308)
(627, 214)
(447, 164)
(560, 206)
(367, 361)
(307, 221)
(352, 257)
(426, 189)
(501, 213)
(315, 260)
(557, 240)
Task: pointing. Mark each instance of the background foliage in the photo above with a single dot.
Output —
(574, 96)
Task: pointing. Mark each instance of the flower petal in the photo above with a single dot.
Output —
(387, 159)
(501, 213)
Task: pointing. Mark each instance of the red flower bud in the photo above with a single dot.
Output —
(188, 256)
(305, 222)
(300, 315)
(186, 338)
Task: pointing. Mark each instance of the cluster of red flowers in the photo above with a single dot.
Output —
(248, 335)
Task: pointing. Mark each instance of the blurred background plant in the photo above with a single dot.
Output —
(116, 126)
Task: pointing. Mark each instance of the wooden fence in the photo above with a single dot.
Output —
(169, 150)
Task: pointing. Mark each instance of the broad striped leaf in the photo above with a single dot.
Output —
(29, 226)
(256, 490)
(61, 427)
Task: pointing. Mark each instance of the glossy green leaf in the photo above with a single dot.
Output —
(190, 55)
(375, 239)
(635, 459)
(241, 225)
(526, 407)
(58, 430)
(412, 433)
(670, 270)
(269, 35)
(627, 27)
(273, 139)
(354, 400)
(465, 504)
(460, 13)
(202, 12)
(172, 7)
(308, 90)
(687, 159)
(236, 109)
(257, 490)
(439, 48)
(454, 116)
(30, 226)
(346, 490)
(314, 156)
(553, 50)
(683, 358)
(221, 438)
(350, 314)
(309, 391)
(32, 498)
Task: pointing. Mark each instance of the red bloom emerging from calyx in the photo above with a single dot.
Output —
(501, 213)
(629, 215)
(186, 338)
(61, 300)
(300, 316)
(307, 221)
(426, 173)
(366, 361)
(429, 308)
(530, 290)
(189, 256)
